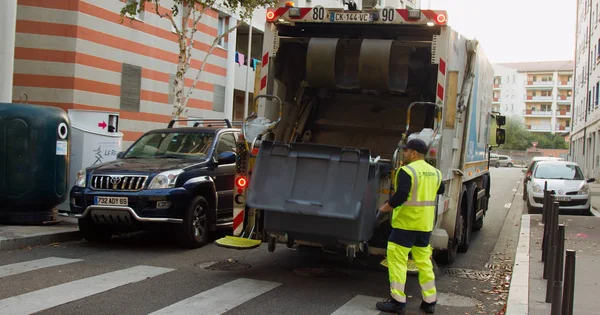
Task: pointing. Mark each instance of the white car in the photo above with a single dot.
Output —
(568, 182)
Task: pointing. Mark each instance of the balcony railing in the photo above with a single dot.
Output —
(539, 127)
(563, 113)
(539, 98)
(540, 82)
(497, 86)
(566, 83)
(496, 99)
(565, 98)
(561, 128)
(537, 112)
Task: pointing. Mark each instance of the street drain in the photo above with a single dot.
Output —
(320, 273)
(468, 274)
(224, 265)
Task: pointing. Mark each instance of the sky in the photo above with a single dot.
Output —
(515, 30)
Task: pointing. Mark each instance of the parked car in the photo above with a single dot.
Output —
(566, 180)
(530, 168)
(504, 160)
(178, 177)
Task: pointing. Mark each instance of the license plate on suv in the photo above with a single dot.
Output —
(111, 201)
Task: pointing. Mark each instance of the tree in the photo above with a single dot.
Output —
(519, 138)
(193, 11)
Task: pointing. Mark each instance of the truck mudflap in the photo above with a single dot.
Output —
(315, 192)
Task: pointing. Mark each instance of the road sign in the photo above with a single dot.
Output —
(102, 124)
(534, 144)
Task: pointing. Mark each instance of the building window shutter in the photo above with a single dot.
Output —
(219, 98)
(131, 85)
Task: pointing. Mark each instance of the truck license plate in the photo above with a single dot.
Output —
(351, 17)
(562, 198)
(111, 201)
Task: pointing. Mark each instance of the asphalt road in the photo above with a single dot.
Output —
(143, 274)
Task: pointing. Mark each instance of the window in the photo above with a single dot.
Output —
(558, 171)
(226, 144)
(138, 15)
(131, 86)
(192, 145)
(220, 31)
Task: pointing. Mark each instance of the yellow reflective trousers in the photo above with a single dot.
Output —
(397, 258)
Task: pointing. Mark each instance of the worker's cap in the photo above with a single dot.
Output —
(415, 144)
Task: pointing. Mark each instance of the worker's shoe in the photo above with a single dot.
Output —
(392, 306)
(428, 308)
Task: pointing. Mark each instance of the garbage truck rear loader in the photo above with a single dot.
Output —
(340, 89)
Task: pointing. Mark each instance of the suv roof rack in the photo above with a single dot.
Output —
(212, 122)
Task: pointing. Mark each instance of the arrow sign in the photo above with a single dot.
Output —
(102, 124)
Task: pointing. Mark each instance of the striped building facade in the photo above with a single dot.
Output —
(78, 54)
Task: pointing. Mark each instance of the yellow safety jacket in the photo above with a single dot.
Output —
(417, 213)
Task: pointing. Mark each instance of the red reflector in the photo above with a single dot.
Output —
(270, 15)
(255, 151)
(441, 18)
(241, 182)
(240, 190)
(433, 151)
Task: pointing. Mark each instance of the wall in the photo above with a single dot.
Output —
(71, 54)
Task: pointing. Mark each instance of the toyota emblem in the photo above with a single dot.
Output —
(115, 180)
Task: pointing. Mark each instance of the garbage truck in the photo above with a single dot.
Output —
(341, 88)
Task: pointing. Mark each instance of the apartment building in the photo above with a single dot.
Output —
(539, 92)
(585, 137)
(77, 54)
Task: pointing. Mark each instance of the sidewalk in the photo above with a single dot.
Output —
(595, 190)
(528, 288)
(21, 236)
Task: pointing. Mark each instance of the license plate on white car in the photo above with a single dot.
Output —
(111, 201)
(562, 198)
(351, 17)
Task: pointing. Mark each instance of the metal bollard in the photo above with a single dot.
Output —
(557, 284)
(545, 210)
(545, 205)
(569, 289)
(551, 227)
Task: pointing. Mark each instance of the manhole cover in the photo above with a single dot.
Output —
(225, 265)
(320, 273)
(468, 274)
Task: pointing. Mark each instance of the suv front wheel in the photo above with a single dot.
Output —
(193, 232)
(92, 232)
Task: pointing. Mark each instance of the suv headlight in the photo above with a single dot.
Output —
(536, 188)
(584, 190)
(165, 180)
(80, 182)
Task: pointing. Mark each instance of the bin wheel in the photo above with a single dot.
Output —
(290, 242)
(272, 243)
(350, 253)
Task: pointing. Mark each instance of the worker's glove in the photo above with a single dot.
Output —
(380, 217)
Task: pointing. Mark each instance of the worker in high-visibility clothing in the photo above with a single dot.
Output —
(416, 186)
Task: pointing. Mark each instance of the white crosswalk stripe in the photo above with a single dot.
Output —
(214, 301)
(22, 267)
(359, 305)
(222, 298)
(67, 292)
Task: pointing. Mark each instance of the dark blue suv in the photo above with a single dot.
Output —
(178, 178)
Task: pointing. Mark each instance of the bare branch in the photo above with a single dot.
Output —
(212, 47)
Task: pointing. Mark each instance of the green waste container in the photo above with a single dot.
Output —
(34, 162)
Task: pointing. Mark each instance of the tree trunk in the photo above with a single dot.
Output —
(179, 84)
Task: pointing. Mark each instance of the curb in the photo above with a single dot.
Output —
(518, 294)
(36, 240)
(595, 212)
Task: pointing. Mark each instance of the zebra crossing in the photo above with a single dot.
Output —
(216, 300)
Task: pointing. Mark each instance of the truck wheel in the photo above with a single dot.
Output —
(193, 232)
(92, 232)
(466, 219)
(446, 256)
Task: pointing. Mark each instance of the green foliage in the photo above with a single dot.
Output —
(519, 138)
